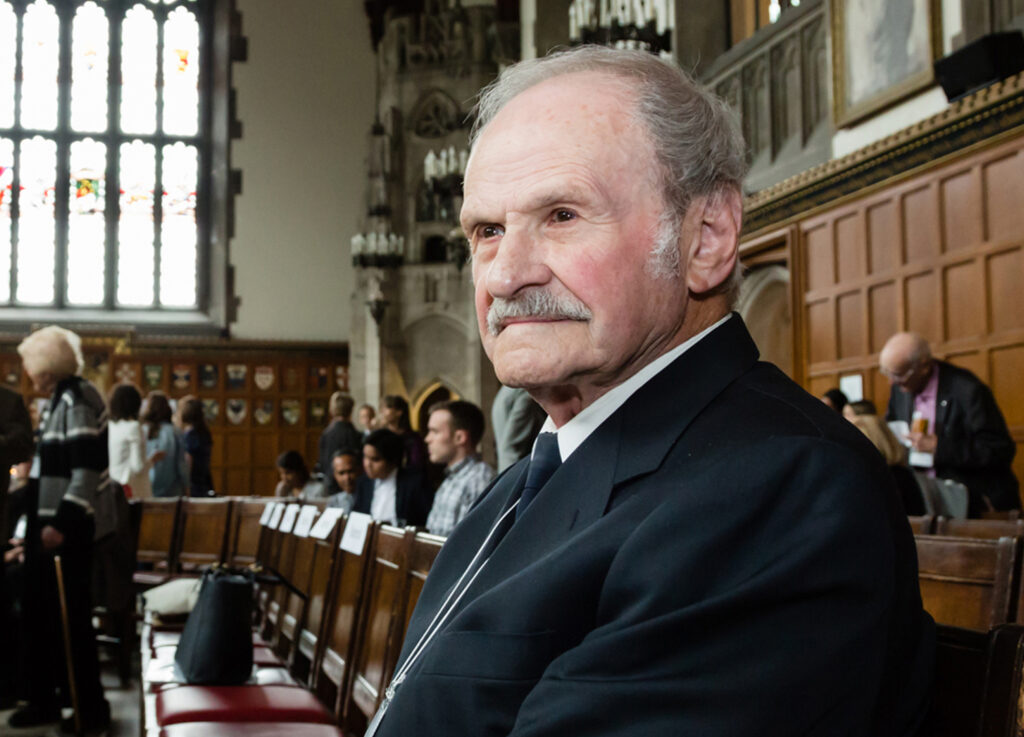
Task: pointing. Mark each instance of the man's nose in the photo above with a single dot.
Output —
(520, 262)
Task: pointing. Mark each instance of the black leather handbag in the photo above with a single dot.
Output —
(215, 648)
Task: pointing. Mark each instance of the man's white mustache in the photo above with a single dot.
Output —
(535, 303)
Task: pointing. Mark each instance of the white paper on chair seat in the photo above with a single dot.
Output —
(290, 515)
(305, 521)
(354, 538)
(268, 509)
(275, 517)
(326, 523)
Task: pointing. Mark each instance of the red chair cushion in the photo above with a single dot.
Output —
(160, 673)
(261, 655)
(238, 704)
(249, 729)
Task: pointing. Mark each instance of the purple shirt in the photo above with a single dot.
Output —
(924, 403)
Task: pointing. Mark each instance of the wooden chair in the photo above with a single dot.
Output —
(381, 628)
(425, 548)
(202, 532)
(1010, 514)
(295, 600)
(244, 532)
(333, 659)
(977, 683)
(922, 525)
(326, 556)
(967, 582)
(158, 530)
(987, 529)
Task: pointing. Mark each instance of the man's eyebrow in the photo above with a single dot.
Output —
(575, 194)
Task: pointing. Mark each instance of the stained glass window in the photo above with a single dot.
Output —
(100, 187)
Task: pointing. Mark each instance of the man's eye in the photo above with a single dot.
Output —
(491, 231)
(562, 215)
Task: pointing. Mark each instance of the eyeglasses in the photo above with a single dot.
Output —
(900, 378)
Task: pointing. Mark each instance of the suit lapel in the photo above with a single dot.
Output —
(633, 441)
(942, 394)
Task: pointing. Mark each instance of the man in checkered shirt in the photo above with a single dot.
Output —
(454, 430)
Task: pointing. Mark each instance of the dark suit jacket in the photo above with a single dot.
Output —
(974, 445)
(413, 497)
(339, 435)
(723, 556)
(16, 445)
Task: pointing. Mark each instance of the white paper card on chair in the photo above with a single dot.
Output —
(291, 513)
(305, 521)
(323, 527)
(354, 537)
(268, 509)
(275, 518)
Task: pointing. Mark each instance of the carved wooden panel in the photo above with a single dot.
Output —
(940, 253)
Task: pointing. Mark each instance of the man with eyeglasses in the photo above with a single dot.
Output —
(953, 417)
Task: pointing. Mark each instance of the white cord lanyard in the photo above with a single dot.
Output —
(440, 617)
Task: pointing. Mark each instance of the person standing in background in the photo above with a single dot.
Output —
(15, 447)
(129, 464)
(341, 433)
(198, 446)
(74, 509)
(516, 420)
(367, 419)
(395, 414)
(168, 477)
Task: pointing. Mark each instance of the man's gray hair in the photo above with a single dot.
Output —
(53, 350)
(695, 136)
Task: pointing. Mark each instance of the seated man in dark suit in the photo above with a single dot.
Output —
(961, 431)
(388, 492)
(696, 545)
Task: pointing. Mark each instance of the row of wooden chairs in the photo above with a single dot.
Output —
(334, 626)
(182, 534)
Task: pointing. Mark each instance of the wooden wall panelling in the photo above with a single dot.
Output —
(940, 253)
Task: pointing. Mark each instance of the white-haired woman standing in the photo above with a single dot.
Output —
(75, 507)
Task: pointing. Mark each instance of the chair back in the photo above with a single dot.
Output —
(244, 532)
(202, 532)
(425, 548)
(988, 529)
(332, 670)
(922, 525)
(977, 683)
(158, 532)
(966, 582)
(326, 557)
(380, 631)
(296, 596)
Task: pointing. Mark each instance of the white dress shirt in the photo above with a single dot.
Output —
(572, 434)
(127, 450)
(383, 505)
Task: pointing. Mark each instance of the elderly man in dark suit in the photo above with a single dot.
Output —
(961, 427)
(696, 546)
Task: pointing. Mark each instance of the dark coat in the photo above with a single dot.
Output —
(339, 435)
(724, 555)
(413, 497)
(974, 445)
(16, 444)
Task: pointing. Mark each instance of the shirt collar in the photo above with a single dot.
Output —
(452, 470)
(572, 434)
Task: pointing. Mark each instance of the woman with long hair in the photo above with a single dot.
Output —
(168, 477)
(126, 443)
(198, 445)
(395, 415)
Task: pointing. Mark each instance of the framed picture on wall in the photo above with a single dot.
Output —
(882, 52)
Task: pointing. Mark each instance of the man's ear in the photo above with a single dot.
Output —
(714, 258)
(461, 437)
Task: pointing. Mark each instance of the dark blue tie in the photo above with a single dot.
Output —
(545, 461)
